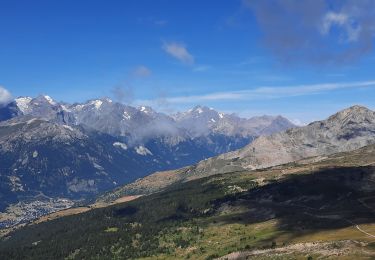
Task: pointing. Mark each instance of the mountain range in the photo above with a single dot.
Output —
(53, 153)
(299, 193)
(141, 124)
(346, 130)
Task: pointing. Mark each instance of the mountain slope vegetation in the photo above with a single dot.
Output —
(318, 207)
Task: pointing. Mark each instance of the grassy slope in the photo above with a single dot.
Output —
(161, 180)
(210, 217)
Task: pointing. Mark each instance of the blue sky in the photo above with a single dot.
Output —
(246, 57)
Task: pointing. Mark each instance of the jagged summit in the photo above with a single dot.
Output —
(201, 109)
(197, 111)
(146, 110)
(346, 130)
(107, 116)
(355, 113)
(44, 99)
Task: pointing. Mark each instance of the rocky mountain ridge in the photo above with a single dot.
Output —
(346, 130)
(143, 123)
(54, 152)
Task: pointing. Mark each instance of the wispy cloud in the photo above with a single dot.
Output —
(178, 51)
(272, 92)
(5, 96)
(201, 68)
(332, 19)
(142, 71)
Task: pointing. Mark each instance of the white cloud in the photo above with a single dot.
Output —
(142, 71)
(5, 96)
(342, 20)
(272, 92)
(326, 32)
(332, 18)
(178, 51)
(297, 122)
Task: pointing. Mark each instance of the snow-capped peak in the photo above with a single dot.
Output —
(50, 100)
(145, 109)
(23, 103)
(97, 103)
(199, 110)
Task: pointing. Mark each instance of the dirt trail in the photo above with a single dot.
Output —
(364, 232)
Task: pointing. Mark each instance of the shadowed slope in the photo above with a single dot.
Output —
(252, 209)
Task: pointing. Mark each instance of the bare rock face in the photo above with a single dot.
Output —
(202, 120)
(346, 130)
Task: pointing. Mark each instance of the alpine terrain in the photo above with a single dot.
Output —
(346, 130)
(319, 207)
(191, 129)
(54, 154)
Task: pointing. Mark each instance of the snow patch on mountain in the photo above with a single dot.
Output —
(120, 145)
(96, 103)
(30, 121)
(79, 107)
(126, 116)
(65, 108)
(50, 100)
(68, 127)
(23, 103)
(141, 150)
(146, 110)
